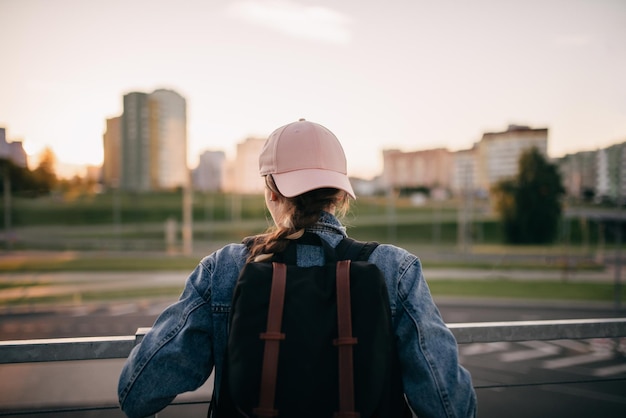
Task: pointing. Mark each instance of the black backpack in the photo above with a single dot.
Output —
(311, 341)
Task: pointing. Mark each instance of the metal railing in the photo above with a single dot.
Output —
(118, 347)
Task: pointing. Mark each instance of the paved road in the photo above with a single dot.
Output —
(504, 365)
(495, 364)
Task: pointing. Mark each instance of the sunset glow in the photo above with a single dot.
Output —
(396, 74)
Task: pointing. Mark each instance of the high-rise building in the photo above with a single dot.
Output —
(153, 141)
(135, 145)
(168, 132)
(111, 141)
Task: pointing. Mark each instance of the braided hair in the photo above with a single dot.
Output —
(301, 211)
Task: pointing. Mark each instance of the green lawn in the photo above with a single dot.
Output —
(543, 290)
(109, 232)
(487, 288)
(599, 292)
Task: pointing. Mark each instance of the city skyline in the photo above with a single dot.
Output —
(406, 75)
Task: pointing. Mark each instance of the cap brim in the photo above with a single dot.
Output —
(294, 183)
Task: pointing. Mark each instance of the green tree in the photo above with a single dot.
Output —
(39, 181)
(530, 204)
(20, 179)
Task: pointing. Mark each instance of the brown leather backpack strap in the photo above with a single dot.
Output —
(345, 341)
(272, 339)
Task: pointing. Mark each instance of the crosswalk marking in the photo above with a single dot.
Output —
(538, 349)
(574, 345)
(610, 370)
(566, 353)
(484, 348)
(578, 360)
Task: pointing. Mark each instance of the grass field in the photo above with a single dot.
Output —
(509, 289)
(137, 222)
(458, 286)
(125, 232)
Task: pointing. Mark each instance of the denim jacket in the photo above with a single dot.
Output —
(188, 339)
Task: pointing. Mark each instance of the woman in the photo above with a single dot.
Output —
(307, 187)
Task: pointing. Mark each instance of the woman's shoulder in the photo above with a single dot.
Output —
(389, 257)
(393, 250)
(234, 254)
(219, 270)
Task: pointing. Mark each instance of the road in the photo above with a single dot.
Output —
(501, 371)
(498, 369)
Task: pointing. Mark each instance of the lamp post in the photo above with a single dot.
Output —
(621, 173)
(188, 216)
(7, 207)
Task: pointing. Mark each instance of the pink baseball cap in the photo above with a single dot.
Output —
(304, 156)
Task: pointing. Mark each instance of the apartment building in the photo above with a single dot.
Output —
(427, 168)
(579, 173)
(168, 131)
(611, 173)
(111, 144)
(208, 176)
(498, 153)
(598, 174)
(464, 171)
(136, 147)
(242, 173)
(13, 151)
(153, 146)
(493, 158)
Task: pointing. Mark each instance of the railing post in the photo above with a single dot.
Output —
(140, 333)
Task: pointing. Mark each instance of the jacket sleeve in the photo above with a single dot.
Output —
(167, 362)
(435, 384)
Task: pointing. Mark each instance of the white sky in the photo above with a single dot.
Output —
(406, 74)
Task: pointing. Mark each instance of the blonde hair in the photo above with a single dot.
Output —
(301, 212)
